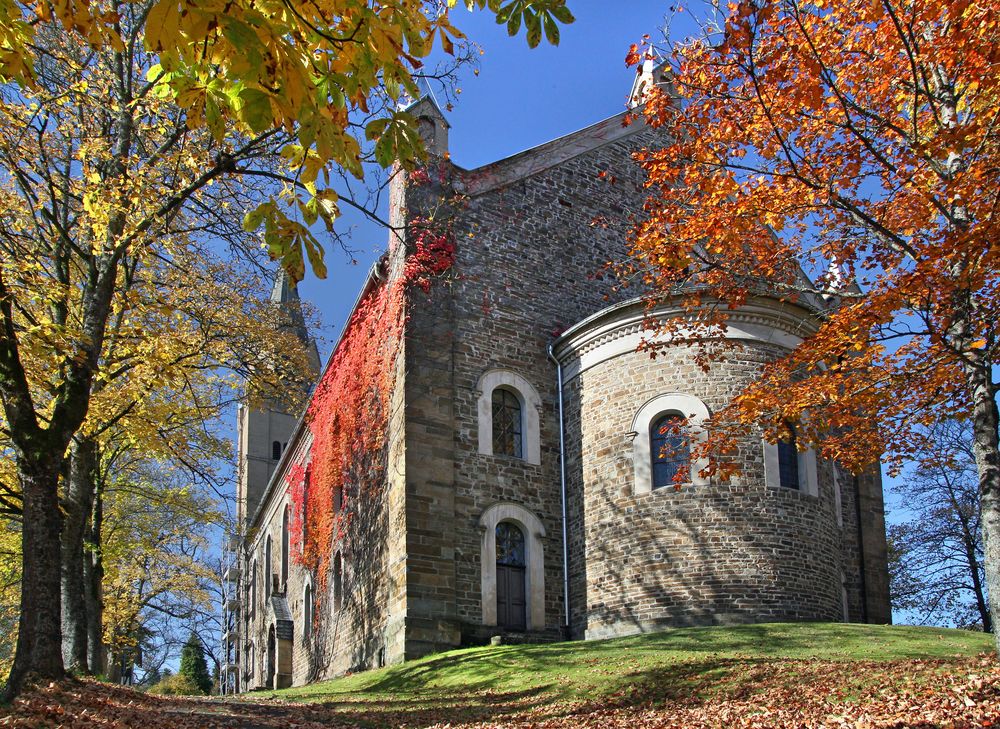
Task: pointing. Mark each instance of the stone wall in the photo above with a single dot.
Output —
(533, 239)
(723, 552)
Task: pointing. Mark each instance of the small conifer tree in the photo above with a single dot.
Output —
(193, 664)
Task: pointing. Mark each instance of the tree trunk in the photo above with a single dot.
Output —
(93, 573)
(78, 505)
(39, 645)
(986, 447)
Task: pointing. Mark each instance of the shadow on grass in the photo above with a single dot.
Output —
(522, 667)
(683, 667)
(687, 684)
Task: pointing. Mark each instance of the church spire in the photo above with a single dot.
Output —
(285, 294)
(284, 290)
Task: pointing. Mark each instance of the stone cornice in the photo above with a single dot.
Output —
(621, 329)
(549, 154)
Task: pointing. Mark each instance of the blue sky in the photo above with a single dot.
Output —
(521, 98)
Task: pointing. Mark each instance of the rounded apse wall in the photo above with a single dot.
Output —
(712, 551)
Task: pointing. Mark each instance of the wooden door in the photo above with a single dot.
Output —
(511, 588)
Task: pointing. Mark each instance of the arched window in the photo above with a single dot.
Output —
(284, 550)
(268, 567)
(338, 582)
(507, 424)
(338, 497)
(307, 613)
(788, 460)
(663, 432)
(252, 587)
(669, 450)
(275, 451)
(508, 409)
(511, 592)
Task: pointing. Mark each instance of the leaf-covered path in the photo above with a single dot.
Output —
(723, 692)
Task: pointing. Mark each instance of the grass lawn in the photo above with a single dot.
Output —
(691, 666)
(586, 669)
(753, 676)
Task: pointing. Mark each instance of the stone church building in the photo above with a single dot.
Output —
(529, 486)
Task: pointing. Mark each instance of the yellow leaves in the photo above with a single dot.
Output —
(163, 26)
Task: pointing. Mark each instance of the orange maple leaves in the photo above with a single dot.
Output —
(843, 155)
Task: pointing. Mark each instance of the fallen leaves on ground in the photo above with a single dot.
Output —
(746, 693)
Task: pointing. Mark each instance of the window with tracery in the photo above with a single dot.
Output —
(507, 424)
(788, 461)
(669, 450)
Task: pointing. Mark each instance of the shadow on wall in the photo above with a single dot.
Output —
(349, 635)
(710, 554)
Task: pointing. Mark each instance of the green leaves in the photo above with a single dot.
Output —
(254, 108)
(398, 139)
(536, 16)
(287, 239)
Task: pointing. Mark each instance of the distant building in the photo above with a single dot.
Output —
(530, 451)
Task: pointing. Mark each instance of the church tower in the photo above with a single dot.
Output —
(263, 433)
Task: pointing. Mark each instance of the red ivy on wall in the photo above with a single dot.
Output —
(348, 414)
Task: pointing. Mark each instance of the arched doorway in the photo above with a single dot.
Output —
(511, 603)
(270, 657)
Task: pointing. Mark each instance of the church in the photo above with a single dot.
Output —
(520, 460)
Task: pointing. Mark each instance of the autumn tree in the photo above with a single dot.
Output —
(117, 122)
(186, 337)
(858, 143)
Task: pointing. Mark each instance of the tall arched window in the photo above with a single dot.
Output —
(268, 567)
(788, 460)
(284, 550)
(507, 431)
(275, 451)
(252, 588)
(669, 449)
(338, 582)
(655, 447)
(307, 613)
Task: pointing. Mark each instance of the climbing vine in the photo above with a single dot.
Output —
(348, 414)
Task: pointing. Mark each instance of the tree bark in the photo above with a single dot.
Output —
(93, 571)
(78, 505)
(986, 447)
(39, 645)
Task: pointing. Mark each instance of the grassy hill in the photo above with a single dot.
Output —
(778, 675)
(723, 676)
(587, 669)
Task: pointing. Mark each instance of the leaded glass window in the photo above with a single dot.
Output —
(788, 461)
(307, 613)
(510, 545)
(507, 437)
(669, 449)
